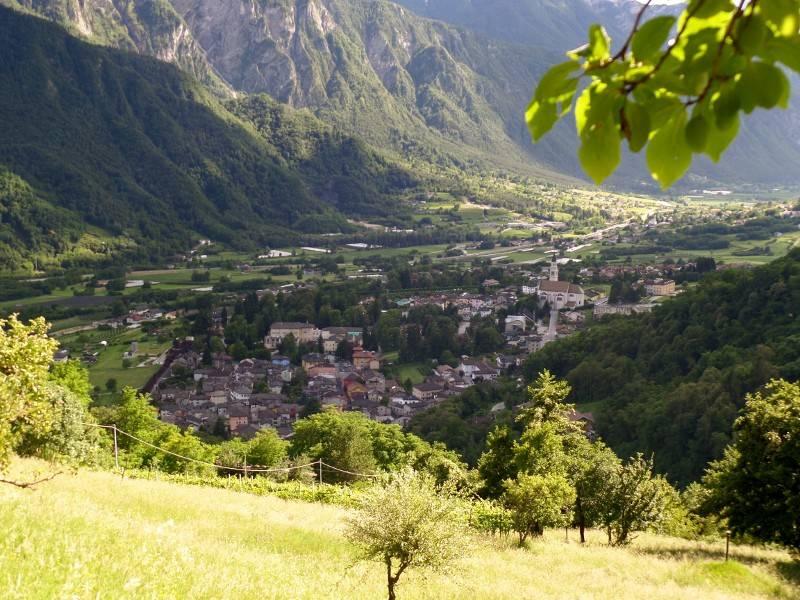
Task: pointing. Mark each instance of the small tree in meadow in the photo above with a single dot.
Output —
(537, 502)
(407, 523)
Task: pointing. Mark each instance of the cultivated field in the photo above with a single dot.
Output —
(95, 535)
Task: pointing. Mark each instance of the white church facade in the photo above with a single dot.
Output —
(560, 294)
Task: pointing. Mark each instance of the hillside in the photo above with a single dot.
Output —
(447, 92)
(671, 382)
(94, 534)
(101, 144)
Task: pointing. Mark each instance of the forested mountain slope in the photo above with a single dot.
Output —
(671, 382)
(98, 138)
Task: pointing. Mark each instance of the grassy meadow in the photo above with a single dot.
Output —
(96, 535)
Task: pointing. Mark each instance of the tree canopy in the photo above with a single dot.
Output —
(756, 485)
(675, 87)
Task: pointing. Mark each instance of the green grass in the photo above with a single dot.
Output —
(414, 371)
(109, 359)
(96, 535)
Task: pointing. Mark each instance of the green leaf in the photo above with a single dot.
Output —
(599, 43)
(751, 34)
(720, 138)
(726, 106)
(651, 36)
(784, 15)
(557, 81)
(762, 84)
(786, 51)
(599, 152)
(697, 132)
(638, 120)
(705, 9)
(594, 104)
(540, 117)
(668, 153)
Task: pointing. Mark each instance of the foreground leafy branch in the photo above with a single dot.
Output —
(679, 97)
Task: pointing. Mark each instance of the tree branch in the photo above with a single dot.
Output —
(720, 49)
(632, 85)
(30, 484)
(622, 51)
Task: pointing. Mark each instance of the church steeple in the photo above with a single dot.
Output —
(553, 269)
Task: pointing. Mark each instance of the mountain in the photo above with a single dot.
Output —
(421, 88)
(149, 27)
(447, 91)
(102, 143)
(556, 24)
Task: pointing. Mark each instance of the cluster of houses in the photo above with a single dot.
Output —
(243, 396)
(246, 396)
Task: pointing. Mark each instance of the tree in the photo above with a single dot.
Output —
(590, 466)
(266, 449)
(111, 384)
(633, 500)
(547, 401)
(756, 485)
(676, 98)
(496, 464)
(407, 523)
(537, 502)
(25, 356)
(343, 440)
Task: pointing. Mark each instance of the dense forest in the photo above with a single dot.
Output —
(671, 382)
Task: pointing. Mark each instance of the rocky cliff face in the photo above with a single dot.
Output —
(149, 27)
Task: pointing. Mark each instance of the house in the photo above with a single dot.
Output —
(303, 333)
(366, 359)
(238, 416)
(602, 309)
(61, 356)
(354, 335)
(427, 391)
(586, 420)
(660, 287)
(473, 370)
(374, 380)
(516, 323)
(313, 360)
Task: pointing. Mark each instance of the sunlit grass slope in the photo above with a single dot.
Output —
(95, 535)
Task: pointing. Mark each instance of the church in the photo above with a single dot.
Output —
(560, 294)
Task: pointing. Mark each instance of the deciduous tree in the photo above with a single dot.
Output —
(408, 523)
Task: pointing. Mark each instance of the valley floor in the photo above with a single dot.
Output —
(95, 535)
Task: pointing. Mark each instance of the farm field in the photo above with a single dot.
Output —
(109, 363)
(780, 246)
(94, 534)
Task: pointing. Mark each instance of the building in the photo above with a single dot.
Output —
(303, 333)
(517, 323)
(660, 287)
(426, 391)
(560, 294)
(366, 359)
(602, 309)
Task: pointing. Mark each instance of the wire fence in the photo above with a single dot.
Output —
(319, 464)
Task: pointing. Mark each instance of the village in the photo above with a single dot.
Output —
(231, 397)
